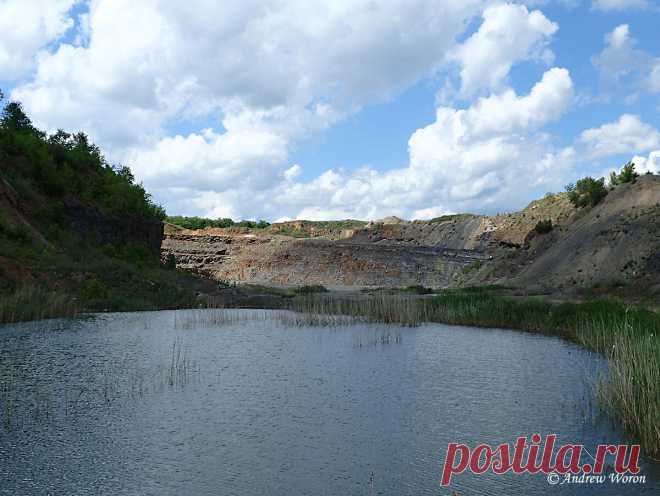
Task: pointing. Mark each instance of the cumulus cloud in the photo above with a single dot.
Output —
(509, 33)
(205, 58)
(626, 135)
(263, 76)
(622, 65)
(620, 55)
(611, 5)
(26, 26)
(648, 164)
(259, 75)
(489, 155)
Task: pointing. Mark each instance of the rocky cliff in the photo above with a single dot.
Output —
(90, 222)
(618, 240)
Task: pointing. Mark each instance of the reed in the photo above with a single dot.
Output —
(34, 303)
(217, 317)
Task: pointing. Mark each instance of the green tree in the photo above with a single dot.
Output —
(587, 192)
(627, 175)
(543, 226)
(14, 118)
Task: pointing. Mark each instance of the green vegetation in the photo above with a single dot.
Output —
(311, 289)
(417, 289)
(49, 269)
(587, 192)
(81, 276)
(202, 223)
(543, 226)
(473, 267)
(258, 289)
(628, 337)
(627, 175)
(63, 164)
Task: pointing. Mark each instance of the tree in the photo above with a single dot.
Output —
(14, 118)
(61, 139)
(627, 175)
(543, 226)
(124, 172)
(587, 192)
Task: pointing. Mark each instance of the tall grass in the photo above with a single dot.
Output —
(34, 303)
(628, 337)
(215, 317)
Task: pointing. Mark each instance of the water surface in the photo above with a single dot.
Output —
(253, 406)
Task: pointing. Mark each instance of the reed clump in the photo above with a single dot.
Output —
(34, 303)
(217, 317)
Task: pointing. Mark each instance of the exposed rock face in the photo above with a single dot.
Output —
(282, 261)
(619, 238)
(90, 222)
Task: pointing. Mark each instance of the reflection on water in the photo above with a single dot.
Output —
(258, 402)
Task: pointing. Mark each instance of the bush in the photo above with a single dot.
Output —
(587, 192)
(543, 226)
(15, 232)
(417, 289)
(310, 289)
(196, 223)
(627, 175)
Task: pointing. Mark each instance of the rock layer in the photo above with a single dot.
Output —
(618, 239)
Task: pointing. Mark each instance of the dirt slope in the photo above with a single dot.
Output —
(617, 242)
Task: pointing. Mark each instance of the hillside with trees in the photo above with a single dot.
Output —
(76, 232)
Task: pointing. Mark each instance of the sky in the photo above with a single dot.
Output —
(306, 109)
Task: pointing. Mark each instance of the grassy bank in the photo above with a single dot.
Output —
(41, 282)
(628, 337)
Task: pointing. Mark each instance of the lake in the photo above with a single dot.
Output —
(242, 402)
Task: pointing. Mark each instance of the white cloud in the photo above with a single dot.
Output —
(653, 81)
(261, 76)
(627, 135)
(648, 164)
(205, 58)
(509, 34)
(430, 213)
(620, 55)
(507, 113)
(622, 65)
(610, 5)
(26, 26)
(477, 158)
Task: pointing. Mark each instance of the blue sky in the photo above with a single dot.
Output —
(291, 109)
(363, 139)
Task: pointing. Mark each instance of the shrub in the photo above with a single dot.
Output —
(627, 175)
(543, 226)
(417, 289)
(16, 232)
(587, 192)
(203, 223)
(311, 288)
